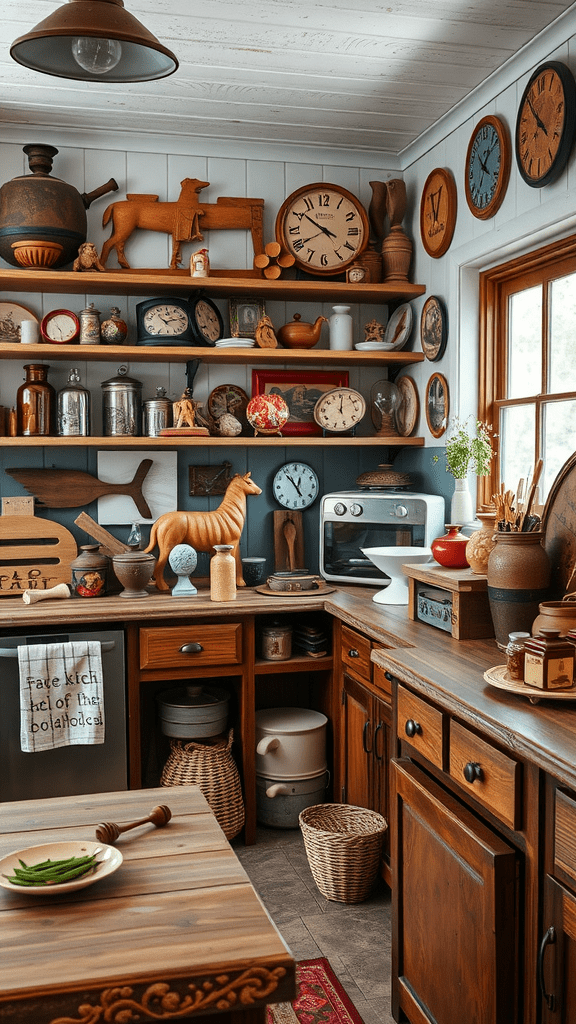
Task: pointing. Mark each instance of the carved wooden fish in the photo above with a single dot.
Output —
(72, 488)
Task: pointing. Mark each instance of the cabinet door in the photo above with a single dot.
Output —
(358, 739)
(557, 965)
(455, 909)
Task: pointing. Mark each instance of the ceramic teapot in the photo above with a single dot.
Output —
(45, 211)
(297, 334)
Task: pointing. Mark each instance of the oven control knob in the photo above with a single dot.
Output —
(339, 508)
(356, 509)
(401, 511)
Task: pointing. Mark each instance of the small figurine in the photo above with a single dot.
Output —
(183, 560)
(374, 331)
(264, 334)
(87, 258)
(200, 264)
(185, 411)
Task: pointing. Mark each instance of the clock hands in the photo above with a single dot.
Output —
(325, 231)
(292, 481)
(539, 122)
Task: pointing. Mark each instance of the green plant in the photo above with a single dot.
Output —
(467, 451)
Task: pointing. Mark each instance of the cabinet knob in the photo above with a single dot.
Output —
(388, 676)
(548, 940)
(412, 728)
(472, 771)
(353, 653)
(193, 648)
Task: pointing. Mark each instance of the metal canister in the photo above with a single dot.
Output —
(157, 413)
(90, 325)
(276, 642)
(73, 408)
(121, 405)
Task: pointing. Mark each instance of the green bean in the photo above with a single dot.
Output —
(59, 871)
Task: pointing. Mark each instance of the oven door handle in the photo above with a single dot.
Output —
(12, 652)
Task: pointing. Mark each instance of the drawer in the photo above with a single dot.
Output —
(421, 725)
(383, 684)
(219, 644)
(356, 654)
(491, 777)
(565, 835)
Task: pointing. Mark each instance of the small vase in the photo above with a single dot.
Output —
(341, 333)
(223, 574)
(481, 542)
(461, 507)
(90, 572)
(518, 581)
(450, 550)
(555, 615)
(134, 570)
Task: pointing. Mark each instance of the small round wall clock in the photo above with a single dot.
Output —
(165, 321)
(60, 327)
(545, 124)
(487, 168)
(438, 212)
(295, 485)
(207, 322)
(433, 328)
(324, 227)
(339, 410)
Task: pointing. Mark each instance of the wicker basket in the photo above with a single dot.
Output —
(210, 766)
(343, 845)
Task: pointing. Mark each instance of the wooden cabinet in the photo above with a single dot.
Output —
(557, 954)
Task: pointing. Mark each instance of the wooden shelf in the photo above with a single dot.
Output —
(334, 441)
(298, 663)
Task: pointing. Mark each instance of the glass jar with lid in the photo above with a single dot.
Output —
(515, 654)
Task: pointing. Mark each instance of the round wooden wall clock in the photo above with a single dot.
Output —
(545, 124)
(487, 168)
(324, 227)
(438, 207)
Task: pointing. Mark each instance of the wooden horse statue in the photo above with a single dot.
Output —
(184, 220)
(202, 530)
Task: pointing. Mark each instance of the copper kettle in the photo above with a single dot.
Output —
(39, 208)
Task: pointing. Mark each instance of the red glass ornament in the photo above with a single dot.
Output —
(450, 550)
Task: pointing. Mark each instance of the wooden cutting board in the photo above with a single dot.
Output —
(35, 554)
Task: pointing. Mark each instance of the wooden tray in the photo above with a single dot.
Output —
(499, 677)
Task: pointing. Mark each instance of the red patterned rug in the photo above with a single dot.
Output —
(320, 998)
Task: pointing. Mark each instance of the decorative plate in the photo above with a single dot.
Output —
(498, 676)
(228, 398)
(407, 415)
(109, 860)
(267, 413)
(11, 316)
(433, 328)
(399, 327)
(319, 591)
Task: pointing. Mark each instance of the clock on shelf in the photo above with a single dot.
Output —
(487, 167)
(438, 212)
(339, 410)
(207, 322)
(295, 485)
(165, 321)
(545, 124)
(60, 327)
(324, 227)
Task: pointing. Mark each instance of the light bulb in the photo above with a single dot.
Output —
(97, 56)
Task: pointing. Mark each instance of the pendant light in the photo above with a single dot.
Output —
(94, 40)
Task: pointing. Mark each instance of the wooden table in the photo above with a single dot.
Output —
(177, 932)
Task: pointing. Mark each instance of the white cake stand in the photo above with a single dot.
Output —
(390, 560)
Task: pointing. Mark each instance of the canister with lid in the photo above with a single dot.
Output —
(276, 642)
(35, 403)
(515, 655)
(73, 408)
(89, 325)
(121, 405)
(157, 413)
(549, 661)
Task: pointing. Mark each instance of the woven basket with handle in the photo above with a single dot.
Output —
(210, 766)
(343, 844)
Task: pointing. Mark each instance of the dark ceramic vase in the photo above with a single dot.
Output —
(450, 550)
(518, 578)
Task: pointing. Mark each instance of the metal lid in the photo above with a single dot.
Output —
(192, 697)
(122, 380)
(290, 720)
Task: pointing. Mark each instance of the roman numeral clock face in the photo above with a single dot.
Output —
(545, 124)
(324, 227)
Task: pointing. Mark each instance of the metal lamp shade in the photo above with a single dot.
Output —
(48, 47)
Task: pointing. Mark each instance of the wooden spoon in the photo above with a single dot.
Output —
(108, 831)
(290, 535)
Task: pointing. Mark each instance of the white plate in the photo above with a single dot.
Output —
(109, 860)
(373, 346)
(399, 326)
(236, 342)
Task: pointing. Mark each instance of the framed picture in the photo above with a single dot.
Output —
(433, 328)
(300, 389)
(437, 404)
(244, 315)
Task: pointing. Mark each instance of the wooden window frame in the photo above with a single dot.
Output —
(547, 263)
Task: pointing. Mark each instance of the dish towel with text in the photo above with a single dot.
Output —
(61, 695)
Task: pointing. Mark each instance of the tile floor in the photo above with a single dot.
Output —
(355, 938)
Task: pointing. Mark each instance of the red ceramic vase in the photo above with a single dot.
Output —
(450, 550)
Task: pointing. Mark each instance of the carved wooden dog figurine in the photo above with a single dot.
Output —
(184, 220)
(204, 529)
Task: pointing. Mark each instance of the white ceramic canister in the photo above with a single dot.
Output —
(341, 332)
(290, 743)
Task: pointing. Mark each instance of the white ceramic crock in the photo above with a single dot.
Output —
(290, 743)
(279, 801)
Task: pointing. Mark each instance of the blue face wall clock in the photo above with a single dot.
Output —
(487, 168)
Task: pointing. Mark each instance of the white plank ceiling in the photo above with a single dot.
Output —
(359, 74)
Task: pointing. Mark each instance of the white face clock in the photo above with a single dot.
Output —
(324, 227)
(60, 327)
(339, 410)
(295, 485)
(165, 319)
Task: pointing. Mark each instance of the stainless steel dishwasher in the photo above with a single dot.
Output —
(71, 770)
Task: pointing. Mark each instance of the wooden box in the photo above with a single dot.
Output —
(458, 600)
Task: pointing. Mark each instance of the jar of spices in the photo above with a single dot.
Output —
(515, 654)
(223, 573)
(549, 662)
(276, 642)
(90, 572)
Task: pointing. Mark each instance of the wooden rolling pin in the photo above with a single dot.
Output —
(108, 831)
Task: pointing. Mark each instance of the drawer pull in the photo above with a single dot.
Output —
(412, 728)
(353, 653)
(548, 940)
(364, 735)
(472, 771)
(388, 676)
(193, 648)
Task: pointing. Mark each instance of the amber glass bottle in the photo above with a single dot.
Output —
(36, 403)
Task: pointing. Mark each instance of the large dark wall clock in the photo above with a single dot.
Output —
(545, 124)
(487, 168)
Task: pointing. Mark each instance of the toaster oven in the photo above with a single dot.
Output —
(352, 520)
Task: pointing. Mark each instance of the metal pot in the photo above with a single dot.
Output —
(193, 712)
(279, 802)
(290, 743)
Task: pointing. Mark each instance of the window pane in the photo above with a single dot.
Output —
(562, 334)
(525, 343)
(559, 440)
(516, 445)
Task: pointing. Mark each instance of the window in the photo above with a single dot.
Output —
(528, 365)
